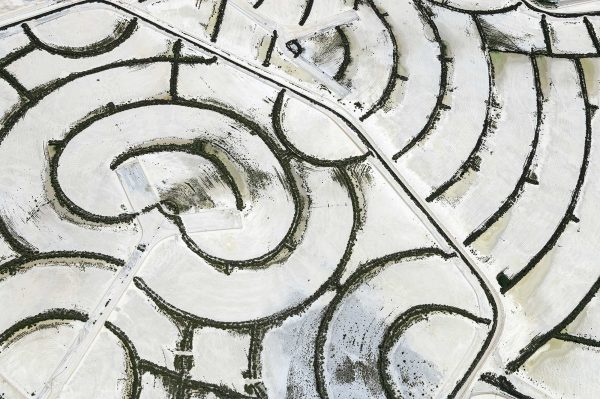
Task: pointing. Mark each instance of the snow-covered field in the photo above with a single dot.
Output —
(299, 199)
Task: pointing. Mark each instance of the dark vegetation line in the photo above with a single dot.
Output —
(135, 385)
(507, 283)
(306, 12)
(122, 32)
(13, 266)
(476, 13)
(17, 54)
(544, 53)
(14, 83)
(220, 15)
(341, 72)
(257, 336)
(175, 68)
(391, 83)
(8, 77)
(502, 383)
(546, 31)
(15, 241)
(578, 340)
(517, 191)
(559, 14)
(592, 33)
(51, 314)
(439, 105)
(183, 363)
(173, 379)
(182, 314)
(267, 60)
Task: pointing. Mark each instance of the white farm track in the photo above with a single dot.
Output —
(321, 199)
